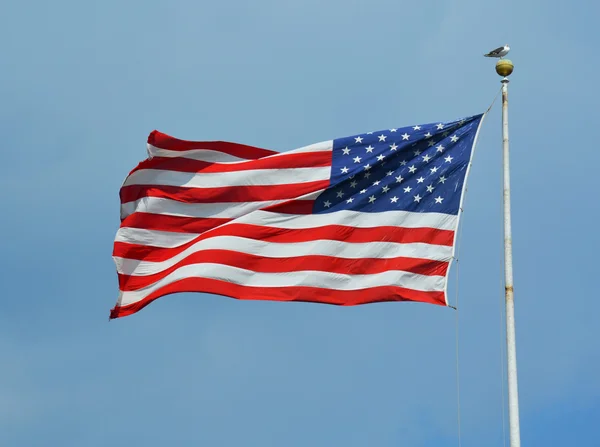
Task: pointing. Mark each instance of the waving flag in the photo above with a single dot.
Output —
(356, 220)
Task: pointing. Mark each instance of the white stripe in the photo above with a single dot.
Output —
(323, 146)
(253, 177)
(324, 247)
(251, 213)
(405, 219)
(207, 155)
(153, 238)
(213, 156)
(308, 278)
(159, 205)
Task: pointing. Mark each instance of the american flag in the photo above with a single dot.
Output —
(360, 219)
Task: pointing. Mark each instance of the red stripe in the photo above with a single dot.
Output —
(363, 266)
(285, 235)
(225, 194)
(293, 207)
(303, 294)
(163, 141)
(282, 161)
(178, 224)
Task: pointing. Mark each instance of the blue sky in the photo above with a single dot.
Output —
(83, 83)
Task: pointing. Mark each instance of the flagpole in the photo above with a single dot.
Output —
(504, 68)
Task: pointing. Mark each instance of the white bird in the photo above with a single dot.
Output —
(499, 52)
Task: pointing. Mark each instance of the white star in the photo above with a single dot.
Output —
(394, 199)
(376, 183)
(367, 174)
(440, 148)
(426, 158)
(462, 121)
(372, 199)
(344, 170)
(408, 189)
(346, 151)
(403, 163)
(382, 137)
(439, 199)
(358, 139)
(393, 147)
(353, 184)
(362, 191)
(369, 148)
(417, 128)
(427, 135)
(431, 143)
(369, 133)
(350, 200)
(393, 130)
(434, 169)
(357, 159)
(445, 134)
(412, 169)
(420, 180)
(430, 188)
(327, 204)
(367, 167)
(380, 157)
(443, 179)
(340, 194)
(389, 173)
(418, 198)
(405, 136)
(448, 159)
(417, 152)
(454, 138)
(399, 179)
(440, 126)
(385, 189)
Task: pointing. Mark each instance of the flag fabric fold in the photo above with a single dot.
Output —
(355, 220)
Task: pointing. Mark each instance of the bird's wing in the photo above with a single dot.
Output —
(497, 50)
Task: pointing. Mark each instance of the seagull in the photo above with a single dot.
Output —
(499, 52)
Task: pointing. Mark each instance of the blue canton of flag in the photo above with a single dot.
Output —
(419, 169)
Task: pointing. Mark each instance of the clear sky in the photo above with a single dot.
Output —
(83, 83)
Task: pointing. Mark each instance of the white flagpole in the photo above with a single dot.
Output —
(504, 68)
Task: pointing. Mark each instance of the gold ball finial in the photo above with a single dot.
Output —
(504, 67)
